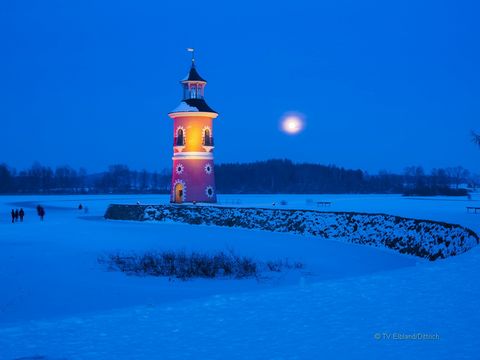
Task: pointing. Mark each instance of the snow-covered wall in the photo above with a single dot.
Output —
(428, 239)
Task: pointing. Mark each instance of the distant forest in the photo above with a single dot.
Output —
(264, 177)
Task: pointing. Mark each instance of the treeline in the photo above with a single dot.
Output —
(265, 177)
(39, 179)
(284, 176)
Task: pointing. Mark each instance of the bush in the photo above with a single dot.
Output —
(427, 191)
(185, 266)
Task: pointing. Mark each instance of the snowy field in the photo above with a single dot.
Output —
(56, 301)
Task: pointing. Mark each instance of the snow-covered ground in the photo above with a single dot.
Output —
(57, 302)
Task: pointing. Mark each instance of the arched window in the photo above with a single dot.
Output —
(207, 139)
(180, 138)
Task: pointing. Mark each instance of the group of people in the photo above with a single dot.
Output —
(17, 214)
(20, 214)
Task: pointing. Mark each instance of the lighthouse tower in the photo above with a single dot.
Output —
(193, 178)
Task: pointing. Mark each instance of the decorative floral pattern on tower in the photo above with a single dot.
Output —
(179, 169)
(208, 168)
(209, 191)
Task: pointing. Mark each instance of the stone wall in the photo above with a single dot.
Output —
(424, 238)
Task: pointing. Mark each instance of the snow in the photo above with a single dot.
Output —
(422, 238)
(184, 107)
(57, 302)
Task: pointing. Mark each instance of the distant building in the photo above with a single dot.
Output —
(193, 178)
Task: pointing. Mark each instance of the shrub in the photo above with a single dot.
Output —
(185, 266)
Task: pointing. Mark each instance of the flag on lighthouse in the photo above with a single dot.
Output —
(192, 50)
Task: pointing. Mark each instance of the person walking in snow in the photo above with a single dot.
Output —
(16, 215)
(41, 212)
(13, 216)
(21, 213)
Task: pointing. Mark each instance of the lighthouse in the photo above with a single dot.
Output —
(193, 177)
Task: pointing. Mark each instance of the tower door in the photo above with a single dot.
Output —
(179, 193)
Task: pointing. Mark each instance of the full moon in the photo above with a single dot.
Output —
(292, 124)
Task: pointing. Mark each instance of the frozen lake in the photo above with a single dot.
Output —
(57, 301)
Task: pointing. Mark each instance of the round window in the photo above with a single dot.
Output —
(209, 191)
(208, 168)
(179, 169)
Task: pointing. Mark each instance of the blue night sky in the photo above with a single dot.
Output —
(382, 84)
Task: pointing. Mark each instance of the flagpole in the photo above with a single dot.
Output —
(192, 50)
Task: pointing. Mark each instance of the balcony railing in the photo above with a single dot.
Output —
(180, 141)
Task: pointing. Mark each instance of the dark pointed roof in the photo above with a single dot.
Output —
(193, 74)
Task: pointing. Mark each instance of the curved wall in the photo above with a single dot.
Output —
(424, 238)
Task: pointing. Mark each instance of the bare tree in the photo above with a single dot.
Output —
(5, 179)
(475, 181)
(476, 138)
(414, 177)
(458, 175)
(144, 177)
